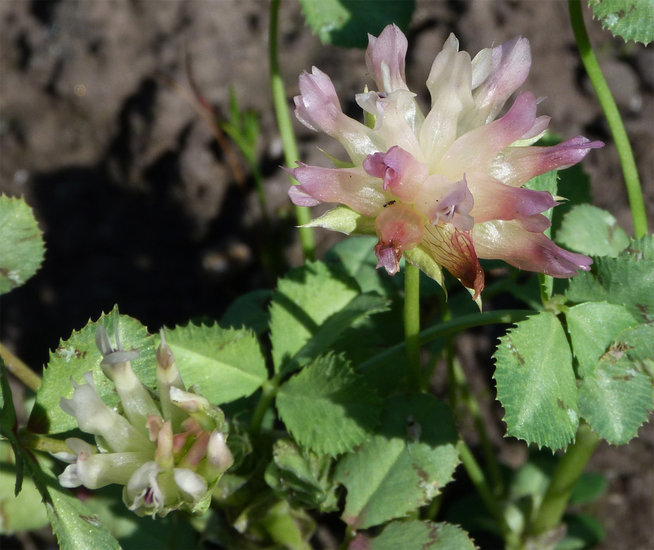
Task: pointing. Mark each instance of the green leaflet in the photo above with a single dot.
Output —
(21, 243)
(593, 231)
(223, 364)
(615, 399)
(404, 466)
(536, 383)
(311, 308)
(327, 407)
(625, 280)
(628, 19)
(347, 22)
(416, 535)
(593, 327)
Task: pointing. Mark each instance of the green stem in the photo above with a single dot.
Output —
(19, 369)
(268, 393)
(613, 118)
(566, 474)
(42, 443)
(458, 378)
(291, 155)
(412, 326)
(443, 330)
(481, 485)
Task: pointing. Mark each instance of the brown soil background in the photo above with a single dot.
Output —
(140, 208)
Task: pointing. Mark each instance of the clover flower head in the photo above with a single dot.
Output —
(445, 189)
(168, 453)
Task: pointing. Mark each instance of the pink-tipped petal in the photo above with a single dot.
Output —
(349, 186)
(454, 250)
(385, 59)
(510, 64)
(444, 201)
(509, 241)
(300, 197)
(496, 201)
(517, 165)
(401, 174)
(474, 151)
(317, 106)
(399, 228)
(540, 125)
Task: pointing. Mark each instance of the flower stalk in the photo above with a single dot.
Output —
(412, 327)
(291, 155)
(613, 118)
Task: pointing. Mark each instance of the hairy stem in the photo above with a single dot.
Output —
(19, 369)
(291, 155)
(565, 475)
(613, 119)
(412, 327)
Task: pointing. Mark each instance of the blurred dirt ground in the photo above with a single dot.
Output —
(140, 208)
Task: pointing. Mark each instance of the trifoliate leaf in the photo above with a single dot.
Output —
(21, 243)
(593, 327)
(79, 354)
(327, 408)
(416, 535)
(628, 19)
(593, 231)
(222, 364)
(536, 383)
(404, 466)
(615, 399)
(303, 301)
(347, 22)
(625, 280)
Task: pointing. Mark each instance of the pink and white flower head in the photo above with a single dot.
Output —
(168, 453)
(445, 189)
